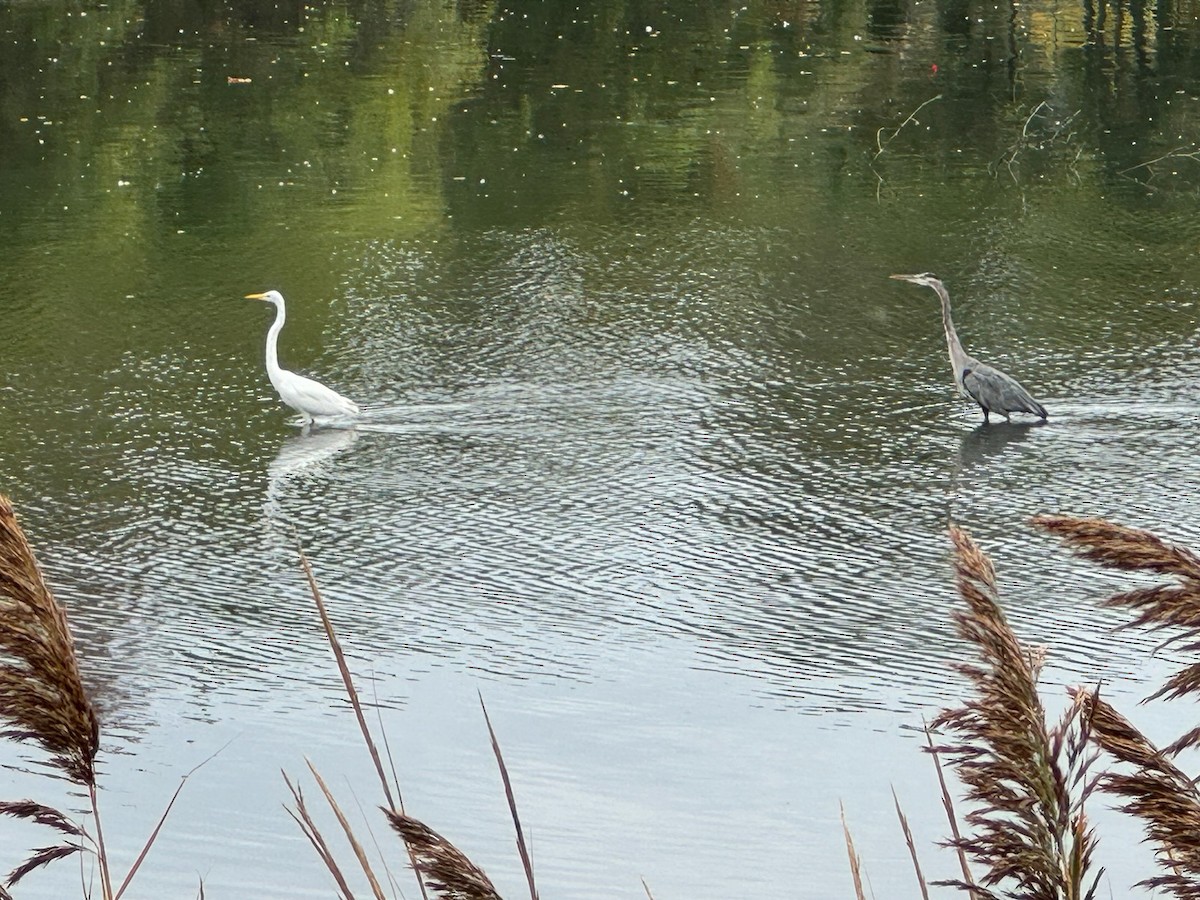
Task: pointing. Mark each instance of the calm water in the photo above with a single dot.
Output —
(655, 456)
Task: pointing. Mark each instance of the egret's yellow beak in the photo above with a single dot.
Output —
(256, 296)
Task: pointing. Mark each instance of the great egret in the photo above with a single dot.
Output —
(990, 388)
(309, 398)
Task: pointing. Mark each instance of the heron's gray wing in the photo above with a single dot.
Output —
(997, 392)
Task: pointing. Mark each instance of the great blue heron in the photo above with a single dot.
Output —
(990, 388)
(309, 398)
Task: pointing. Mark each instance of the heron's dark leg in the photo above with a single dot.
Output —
(985, 415)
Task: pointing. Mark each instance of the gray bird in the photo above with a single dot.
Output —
(990, 388)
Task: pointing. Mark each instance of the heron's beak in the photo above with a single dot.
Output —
(901, 277)
(263, 296)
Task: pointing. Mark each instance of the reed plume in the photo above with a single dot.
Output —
(443, 868)
(42, 698)
(1155, 790)
(1028, 828)
(41, 694)
(1159, 606)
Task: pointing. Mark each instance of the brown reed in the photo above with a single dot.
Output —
(41, 693)
(444, 869)
(310, 830)
(911, 844)
(300, 813)
(855, 860)
(1157, 607)
(1029, 831)
(42, 697)
(522, 847)
(1156, 790)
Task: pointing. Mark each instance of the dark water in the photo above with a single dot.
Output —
(655, 456)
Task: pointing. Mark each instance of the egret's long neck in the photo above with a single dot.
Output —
(273, 369)
(957, 354)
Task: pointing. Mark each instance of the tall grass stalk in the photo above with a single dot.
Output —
(855, 860)
(43, 701)
(948, 806)
(439, 866)
(912, 846)
(522, 848)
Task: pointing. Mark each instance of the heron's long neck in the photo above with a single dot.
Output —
(957, 354)
(273, 342)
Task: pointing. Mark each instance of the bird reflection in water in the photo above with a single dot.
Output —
(983, 442)
(303, 455)
(979, 450)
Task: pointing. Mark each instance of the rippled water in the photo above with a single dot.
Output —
(655, 457)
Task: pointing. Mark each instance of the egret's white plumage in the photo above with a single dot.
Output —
(309, 398)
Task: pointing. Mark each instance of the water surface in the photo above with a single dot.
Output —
(655, 457)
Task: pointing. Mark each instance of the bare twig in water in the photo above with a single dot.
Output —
(445, 869)
(1059, 131)
(1030, 829)
(1192, 153)
(881, 144)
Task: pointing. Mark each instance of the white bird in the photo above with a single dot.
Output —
(309, 398)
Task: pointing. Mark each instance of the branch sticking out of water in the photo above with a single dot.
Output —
(881, 144)
(1192, 153)
(1058, 130)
